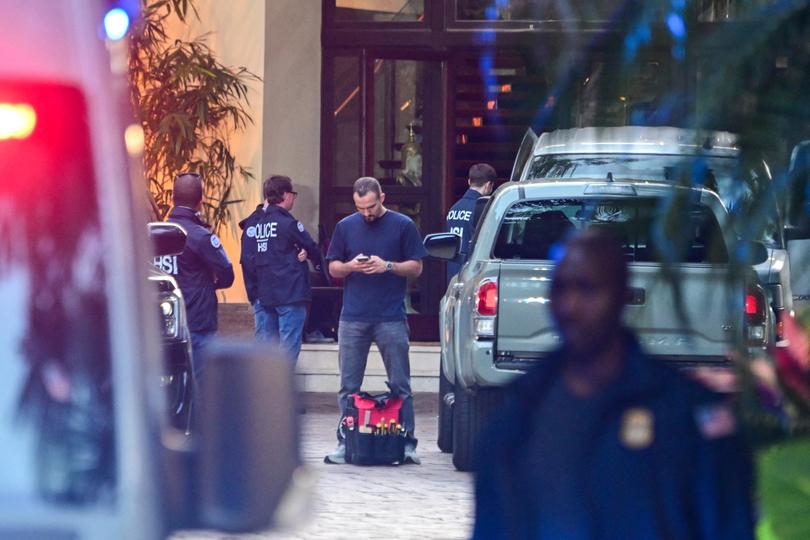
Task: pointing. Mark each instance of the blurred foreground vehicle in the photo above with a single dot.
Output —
(86, 448)
(178, 370)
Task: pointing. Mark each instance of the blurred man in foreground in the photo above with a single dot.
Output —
(600, 441)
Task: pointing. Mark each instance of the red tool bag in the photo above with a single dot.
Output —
(374, 435)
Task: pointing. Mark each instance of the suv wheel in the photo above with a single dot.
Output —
(446, 398)
(470, 414)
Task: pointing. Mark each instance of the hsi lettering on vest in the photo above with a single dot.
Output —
(167, 263)
(460, 215)
(263, 232)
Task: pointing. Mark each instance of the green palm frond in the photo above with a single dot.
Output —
(189, 105)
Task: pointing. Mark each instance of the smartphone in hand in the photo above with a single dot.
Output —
(363, 258)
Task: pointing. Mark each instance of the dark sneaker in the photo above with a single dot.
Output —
(336, 456)
(411, 456)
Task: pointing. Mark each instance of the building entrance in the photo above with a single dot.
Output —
(384, 117)
(415, 92)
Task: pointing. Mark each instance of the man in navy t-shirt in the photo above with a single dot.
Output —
(375, 251)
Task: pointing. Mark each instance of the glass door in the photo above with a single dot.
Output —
(384, 117)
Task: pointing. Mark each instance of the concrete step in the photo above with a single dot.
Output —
(317, 369)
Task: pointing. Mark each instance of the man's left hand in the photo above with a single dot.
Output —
(375, 265)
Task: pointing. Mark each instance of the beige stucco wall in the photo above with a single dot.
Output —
(292, 101)
(278, 40)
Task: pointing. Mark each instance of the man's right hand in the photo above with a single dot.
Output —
(339, 269)
(360, 263)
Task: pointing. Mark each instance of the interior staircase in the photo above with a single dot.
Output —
(495, 102)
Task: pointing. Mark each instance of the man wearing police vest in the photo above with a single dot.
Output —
(201, 268)
(282, 273)
(481, 180)
(247, 258)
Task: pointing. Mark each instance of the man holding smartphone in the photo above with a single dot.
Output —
(375, 251)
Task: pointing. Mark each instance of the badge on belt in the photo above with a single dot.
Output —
(637, 429)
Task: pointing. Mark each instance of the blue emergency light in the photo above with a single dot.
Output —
(116, 24)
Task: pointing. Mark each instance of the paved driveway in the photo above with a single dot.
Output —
(425, 501)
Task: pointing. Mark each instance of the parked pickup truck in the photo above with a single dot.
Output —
(495, 322)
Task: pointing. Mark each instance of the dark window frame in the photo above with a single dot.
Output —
(330, 20)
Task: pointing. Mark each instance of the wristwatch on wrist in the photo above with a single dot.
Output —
(389, 266)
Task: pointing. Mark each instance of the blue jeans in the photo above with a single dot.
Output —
(354, 342)
(281, 325)
(199, 342)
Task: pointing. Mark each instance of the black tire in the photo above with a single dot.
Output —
(445, 441)
(470, 414)
(181, 398)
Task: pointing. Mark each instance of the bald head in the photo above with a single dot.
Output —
(188, 190)
(589, 291)
(604, 248)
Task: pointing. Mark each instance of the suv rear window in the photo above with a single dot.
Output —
(734, 184)
(534, 229)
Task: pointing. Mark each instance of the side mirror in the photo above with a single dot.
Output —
(167, 238)
(444, 246)
(797, 233)
(248, 437)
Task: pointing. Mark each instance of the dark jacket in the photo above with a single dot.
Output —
(247, 255)
(693, 481)
(282, 278)
(201, 268)
(460, 221)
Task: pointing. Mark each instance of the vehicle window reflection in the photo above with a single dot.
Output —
(56, 401)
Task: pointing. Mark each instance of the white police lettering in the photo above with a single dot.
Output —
(215, 241)
(457, 230)
(167, 263)
(460, 215)
(251, 232)
(265, 231)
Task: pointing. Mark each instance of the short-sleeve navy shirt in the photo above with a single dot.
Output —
(393, 237)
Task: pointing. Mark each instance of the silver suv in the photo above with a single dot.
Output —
(711, 159)
(494, 318)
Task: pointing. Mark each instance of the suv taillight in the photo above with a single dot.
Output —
(486, 308)
(487, 298)
(755, 315)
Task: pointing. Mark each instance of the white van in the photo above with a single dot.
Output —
(85, 447)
